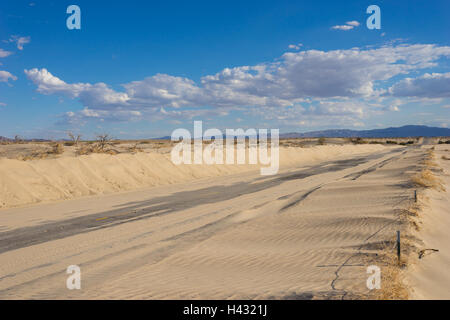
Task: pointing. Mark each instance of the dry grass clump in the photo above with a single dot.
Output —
(392, 274)
(94, 148)
(412, 215)
(358, 140)
(445, 158)
(34, 155)
(321, 141)
(57, 148)
(135, 149)
(393, 286)
(392, 281)
(427, 179)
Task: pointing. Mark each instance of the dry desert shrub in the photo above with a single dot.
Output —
(135, 149)
(321, 141)
(34, 155)
(93, 148)
(57, 148)
(393, 286)
(427, 179)
(392, 282)
(103, 144)
(445, 158)
(358, 140)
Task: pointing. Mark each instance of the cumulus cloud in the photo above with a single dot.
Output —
(434, 85)
(295, 78)
(5, 76)
(349, 25)
(98, 95)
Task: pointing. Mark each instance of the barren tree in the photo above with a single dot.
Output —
(75, 138)
(103, 140)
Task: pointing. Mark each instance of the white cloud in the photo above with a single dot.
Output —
(338, 108)
(20, 41)
(349, 25)
(295, 78)
(4, 53)
(295, 46)
(5, 76)
(99, 94)
(434, 85)
(353, 23)
(2, 104)
(342, 27)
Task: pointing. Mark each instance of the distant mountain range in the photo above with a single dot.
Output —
(405, 131)
(28, 140)
(393, 132)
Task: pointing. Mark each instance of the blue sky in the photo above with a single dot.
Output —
(140, 69)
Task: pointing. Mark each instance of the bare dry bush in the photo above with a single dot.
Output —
(74, 139)
(135, 149)
(426, 179)
(103, 144)
(34, 155)
(57, 148)
(103, 141)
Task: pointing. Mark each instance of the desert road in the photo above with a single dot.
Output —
(307, 232)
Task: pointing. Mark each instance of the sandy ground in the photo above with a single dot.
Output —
(307, 233)
(68, 177)
(429, 277)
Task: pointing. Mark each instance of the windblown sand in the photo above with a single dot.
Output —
(429, 276)
(68, 177)
(307, 233)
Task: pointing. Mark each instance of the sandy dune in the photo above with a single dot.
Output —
(308, 232)
(68, 177)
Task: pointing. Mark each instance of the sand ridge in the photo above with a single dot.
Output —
(69, 177)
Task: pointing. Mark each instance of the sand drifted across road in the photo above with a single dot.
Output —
(309, 232)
